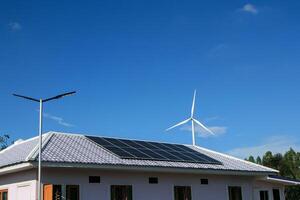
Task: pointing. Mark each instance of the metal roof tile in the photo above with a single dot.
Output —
(71, 148)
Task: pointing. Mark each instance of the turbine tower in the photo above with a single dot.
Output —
(193, 120)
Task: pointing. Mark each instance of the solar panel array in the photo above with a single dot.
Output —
(133, 149)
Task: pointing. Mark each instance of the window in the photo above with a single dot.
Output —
(55, 192)
(52, 192)
(94, 179)
(182, 193)
(153, 180)
(264, 195)
(204, 181)
(3, 194)
(235, 193)
(276, 194)
(121, 192)
(72, 192)
(57, 195)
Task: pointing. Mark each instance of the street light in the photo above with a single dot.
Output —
(41, 101)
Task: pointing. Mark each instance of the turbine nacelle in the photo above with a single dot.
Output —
(193, 120)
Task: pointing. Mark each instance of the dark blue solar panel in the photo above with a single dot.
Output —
(168, 155)
(133, 144)
(154, 155)
(115, 142)
(133, 149)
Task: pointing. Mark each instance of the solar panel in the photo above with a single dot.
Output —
(133, 149)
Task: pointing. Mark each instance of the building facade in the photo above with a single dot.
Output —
(76, 168)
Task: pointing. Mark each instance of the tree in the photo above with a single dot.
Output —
(267, 159)
(258, 160)
(290, 158)
(276, 161)
(298, 158)
(288, 166)
(292, 193)
(298, 164)
(251, 159)
(4, 141)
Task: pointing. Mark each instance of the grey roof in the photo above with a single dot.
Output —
(17, 153)
(72, 148)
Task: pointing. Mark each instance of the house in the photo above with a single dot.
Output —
(98, 168)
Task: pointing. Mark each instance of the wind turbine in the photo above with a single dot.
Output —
(193, 120)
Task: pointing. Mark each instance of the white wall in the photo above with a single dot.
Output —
(142, 190)
(20, 186)
(25, 183)
(261, 185)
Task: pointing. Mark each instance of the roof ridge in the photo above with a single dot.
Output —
(65, 133)
(232, 157)
(34, 152)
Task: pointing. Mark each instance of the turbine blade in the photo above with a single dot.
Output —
(180, 123)
(200, 124)
(193, 104)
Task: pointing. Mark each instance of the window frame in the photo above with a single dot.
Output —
(94, 179)
(228, 186)
(63, 188)
(204, 181)
(72, 185)
(130, 185)
(278, 191)
(54, 186)
(2, 191)
(153, 180)
(180, 185)
(268, 194)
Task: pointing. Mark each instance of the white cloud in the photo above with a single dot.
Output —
(250, 8)
(217, 130)
(59, 120)
(276, 144)
(212, 118)
(15, 26)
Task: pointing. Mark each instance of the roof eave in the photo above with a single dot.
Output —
(16, 168)
(282, 181)
(154, 169)
(275, 171)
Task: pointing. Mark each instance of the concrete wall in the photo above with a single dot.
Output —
(142, 190)
(261, 185)
(20, 186)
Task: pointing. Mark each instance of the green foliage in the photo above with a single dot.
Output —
(288, 166)
(251, 159)
(292, 193)
(4, 141)
(267, 159)
(258, 160)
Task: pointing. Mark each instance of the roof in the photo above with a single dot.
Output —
(284, 180)
(63, 148)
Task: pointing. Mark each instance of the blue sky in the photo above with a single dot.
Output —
(135, 65)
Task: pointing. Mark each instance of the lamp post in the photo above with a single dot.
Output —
(41, 101)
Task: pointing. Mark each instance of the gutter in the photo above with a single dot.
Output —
(285, 182)
(16, 168)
